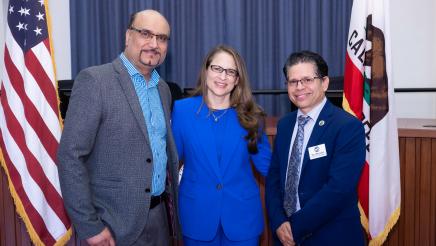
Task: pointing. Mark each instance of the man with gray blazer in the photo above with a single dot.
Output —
(117, 158)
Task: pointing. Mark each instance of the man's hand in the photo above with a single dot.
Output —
(284, 233)
(104, 238)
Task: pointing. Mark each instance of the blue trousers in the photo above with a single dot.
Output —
(220, 240)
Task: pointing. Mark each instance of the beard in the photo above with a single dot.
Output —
(150, 61)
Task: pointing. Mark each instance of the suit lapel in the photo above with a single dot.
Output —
(164, 99)
(318, 130)
(233, 136)
(131, 96)
(166, 104)
(206, 139)
(286, 144)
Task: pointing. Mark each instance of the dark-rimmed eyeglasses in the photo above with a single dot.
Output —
(230, 72)
(148, 35)
(303, 81)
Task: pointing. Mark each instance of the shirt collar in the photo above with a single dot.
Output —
(314, 113)
(133, 72)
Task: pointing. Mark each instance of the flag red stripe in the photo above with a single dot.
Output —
(47, 45)
(34, 216)
(353, 87)
(34, 168)
(32, 115)
(363, 189)
(31, 127)
(41, 78)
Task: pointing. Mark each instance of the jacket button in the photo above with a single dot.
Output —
(148, 160)
(219, 186)
(147, 190)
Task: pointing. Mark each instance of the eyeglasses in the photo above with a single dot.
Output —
(230, 72)
(303, 81)
(148, 35)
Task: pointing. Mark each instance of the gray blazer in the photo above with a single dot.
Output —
(105, 161)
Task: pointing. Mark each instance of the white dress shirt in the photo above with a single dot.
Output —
(308, 128)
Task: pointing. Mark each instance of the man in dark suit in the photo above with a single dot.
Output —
(117, 157)
(319, 152)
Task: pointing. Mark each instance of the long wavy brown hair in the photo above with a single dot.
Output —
(250, 115)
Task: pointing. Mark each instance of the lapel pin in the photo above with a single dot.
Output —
(321, 123)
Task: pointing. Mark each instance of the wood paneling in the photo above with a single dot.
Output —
(2, 211)
(417, 223)
(432, 225)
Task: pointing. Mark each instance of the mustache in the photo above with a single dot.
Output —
(155, 51)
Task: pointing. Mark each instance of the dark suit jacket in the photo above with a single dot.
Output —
(327, 190)
(105, 160)
(214, 191)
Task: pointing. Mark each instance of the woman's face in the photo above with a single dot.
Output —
(221, 77)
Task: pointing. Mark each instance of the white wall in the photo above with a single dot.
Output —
(413, 38)
(60, 15)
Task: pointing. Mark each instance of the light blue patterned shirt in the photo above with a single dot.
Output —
(152, 110)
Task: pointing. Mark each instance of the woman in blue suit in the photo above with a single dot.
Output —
(218, 133)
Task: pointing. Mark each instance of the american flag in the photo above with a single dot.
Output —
(30, 123)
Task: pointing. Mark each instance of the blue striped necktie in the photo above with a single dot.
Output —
(293, 172)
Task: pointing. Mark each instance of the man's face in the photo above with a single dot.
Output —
(308, 93)
(145, 47)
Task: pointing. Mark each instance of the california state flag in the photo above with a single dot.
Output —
(368, 94)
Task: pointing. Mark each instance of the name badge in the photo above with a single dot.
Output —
(317, 151)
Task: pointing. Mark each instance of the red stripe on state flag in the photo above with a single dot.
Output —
(32, 115)
(34, 167)
(363, 189)
(353, 87)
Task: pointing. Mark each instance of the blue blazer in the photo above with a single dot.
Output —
(213, 192)
(327, 189)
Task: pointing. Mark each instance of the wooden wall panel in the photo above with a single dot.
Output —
(2, 206)
(424, 191)
(9, 214)
(417, 223)
(409, 191)
(2, 211)
(416, 196)
(432, 225)
(416, 226)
